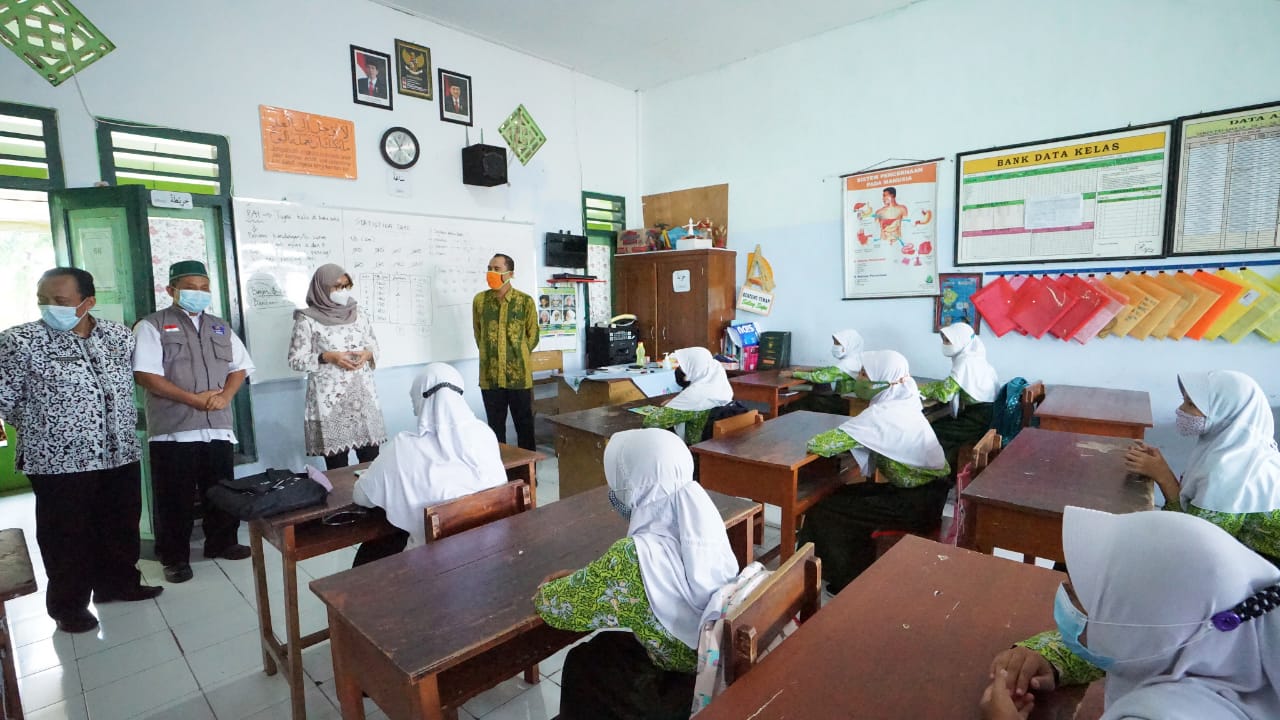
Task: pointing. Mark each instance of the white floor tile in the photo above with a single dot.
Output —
(318, 708)
(246, 695)
(44, 654)
(71, 709)
(51, 686)
(115, 631)
(32, 629)
(554, 663)
(317, 662)
(227, 660)
(199, 604)
(191, 707)
(137, 694)
(215, 627)
(541, 702)
(127, 659)
(497, 696)
(26, 606)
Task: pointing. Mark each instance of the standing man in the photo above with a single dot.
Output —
(191, 365)
(505, 322)
(65, 383)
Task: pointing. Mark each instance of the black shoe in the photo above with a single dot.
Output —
(234, 551)
(179, 573)
(133, 594)
(81, 621)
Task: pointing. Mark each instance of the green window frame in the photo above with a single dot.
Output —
(163, 158)
(30, 154)
(603, 217)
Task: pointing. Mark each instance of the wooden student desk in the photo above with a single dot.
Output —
(1097, 411)
(912, 637)
(1017, 501)
(582, 435)
(769, 463)
(767, 387)
(302, 534)
(424, 631)
(16, 579)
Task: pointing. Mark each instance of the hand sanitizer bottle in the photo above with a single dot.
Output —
(640, 354)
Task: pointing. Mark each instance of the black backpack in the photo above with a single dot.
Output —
(267, 493)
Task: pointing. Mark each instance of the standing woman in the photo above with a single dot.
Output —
(334, 344)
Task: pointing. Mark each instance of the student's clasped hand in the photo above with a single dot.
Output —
(999, 704)
(1144, 459)
(1027, 670)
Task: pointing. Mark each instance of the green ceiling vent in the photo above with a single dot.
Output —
(51, 36)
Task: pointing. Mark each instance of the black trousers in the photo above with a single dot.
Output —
(380, 548)
(180, 470)
(87, 530)
(496, 403)
(610, 677)
(343, 459)
(840, 526)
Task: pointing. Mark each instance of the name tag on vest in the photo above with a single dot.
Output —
(67, 358)
(219, 330)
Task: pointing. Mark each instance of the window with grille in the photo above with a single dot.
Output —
(164, 159)
(603, 217)
(29, 155)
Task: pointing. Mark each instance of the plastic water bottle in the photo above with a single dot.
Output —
(640, 354)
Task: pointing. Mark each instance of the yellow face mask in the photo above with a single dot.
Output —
(495, 279)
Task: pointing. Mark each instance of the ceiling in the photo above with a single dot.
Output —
(640, 44)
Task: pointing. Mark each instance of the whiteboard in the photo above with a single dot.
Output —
(415, 275)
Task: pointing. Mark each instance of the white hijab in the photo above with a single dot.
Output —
(969, 365)
(680, 538)
(708, 385)
(893, 425)
(851, 341)
(1234, 466)
(1160, 577)
(452, 454)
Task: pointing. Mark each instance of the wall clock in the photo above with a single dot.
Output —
(400, 148)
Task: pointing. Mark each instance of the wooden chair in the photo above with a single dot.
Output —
(541, 361)
(737, 423)
(1032, 396)
(472, 511)
(794, 588)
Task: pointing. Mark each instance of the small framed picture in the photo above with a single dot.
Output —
(413, 70)
(370, 77)
(955, 300)
(455, 97)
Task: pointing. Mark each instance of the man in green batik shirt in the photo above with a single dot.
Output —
(505, 322)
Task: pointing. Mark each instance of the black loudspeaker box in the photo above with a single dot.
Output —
(484, 165)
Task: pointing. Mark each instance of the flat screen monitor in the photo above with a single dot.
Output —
(566, 251)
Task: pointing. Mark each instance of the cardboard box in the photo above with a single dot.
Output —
(637, 241)
(693, 243)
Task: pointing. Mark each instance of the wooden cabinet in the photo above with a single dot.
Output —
(681, 298)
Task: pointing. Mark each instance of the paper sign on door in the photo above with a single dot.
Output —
(680, 281)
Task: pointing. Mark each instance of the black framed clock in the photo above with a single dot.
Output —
(400, 148)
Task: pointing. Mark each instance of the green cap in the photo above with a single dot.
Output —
(185, 268)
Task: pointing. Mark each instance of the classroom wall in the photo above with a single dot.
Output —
(930, 80)
(207, 66)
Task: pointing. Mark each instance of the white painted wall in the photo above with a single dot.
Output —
(207, 66)
(930, 80)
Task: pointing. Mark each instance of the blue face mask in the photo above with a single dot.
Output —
(194, 301)
(60, 317)
(618, 507)
(1071, 623)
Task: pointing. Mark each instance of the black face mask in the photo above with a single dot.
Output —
(681, 379)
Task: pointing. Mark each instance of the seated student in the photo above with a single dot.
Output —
(891, 436)
(1182, 618)
(655, 582)
(706, 387)
(452, 453)
(970, 388)
(846, 348)
(1233, 477)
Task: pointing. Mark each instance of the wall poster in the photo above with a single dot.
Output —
(558, 317)
(297, 142)
(890, 237)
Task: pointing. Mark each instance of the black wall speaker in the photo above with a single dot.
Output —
(484, 165)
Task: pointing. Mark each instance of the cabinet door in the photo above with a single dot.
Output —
(635, 285)
(682, 304)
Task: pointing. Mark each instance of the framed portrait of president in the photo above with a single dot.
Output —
(371, 78)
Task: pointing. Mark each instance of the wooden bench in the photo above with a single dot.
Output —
(795, 588)
(541, 361)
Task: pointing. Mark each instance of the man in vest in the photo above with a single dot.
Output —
(191, 364)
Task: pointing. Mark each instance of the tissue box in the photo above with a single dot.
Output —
(692, 242)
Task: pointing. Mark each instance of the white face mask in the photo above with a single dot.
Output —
(950, 350)
(341, 297)
(838, 352)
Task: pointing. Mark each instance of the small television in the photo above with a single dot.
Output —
(566, 251)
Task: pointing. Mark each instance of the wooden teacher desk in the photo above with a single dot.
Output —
(769, 463)
(769, 388)
(1017, 501)
(582, 435)
(423, 631)
(912, 637)
(302, 534)
(1097, 411)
